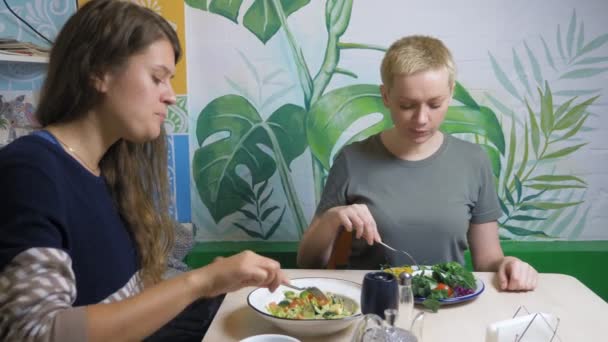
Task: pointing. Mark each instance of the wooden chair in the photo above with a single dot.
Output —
(341, 251)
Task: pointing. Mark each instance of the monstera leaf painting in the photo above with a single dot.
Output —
(336, 111)
(245, 139)
(261, 17)
(339, 109)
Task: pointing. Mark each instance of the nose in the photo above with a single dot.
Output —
(422, 115)
(169, 96)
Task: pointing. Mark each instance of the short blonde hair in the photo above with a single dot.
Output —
(413, 54)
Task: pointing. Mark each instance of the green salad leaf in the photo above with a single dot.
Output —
(452, 274)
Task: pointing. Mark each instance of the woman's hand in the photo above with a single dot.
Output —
(357, 218)
(516, 275)
(244, 269)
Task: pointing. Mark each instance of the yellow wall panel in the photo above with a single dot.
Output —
(173, 11)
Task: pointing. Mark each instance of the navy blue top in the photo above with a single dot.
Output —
(48, 199)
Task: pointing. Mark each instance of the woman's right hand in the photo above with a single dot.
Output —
(237, 271)
(357, 218)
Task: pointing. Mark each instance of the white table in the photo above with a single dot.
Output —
(583, 314)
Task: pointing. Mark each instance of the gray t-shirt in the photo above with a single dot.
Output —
(423, 207)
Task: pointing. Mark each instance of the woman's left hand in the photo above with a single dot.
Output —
(516, 275)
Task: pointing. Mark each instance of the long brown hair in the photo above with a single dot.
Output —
(99, 38)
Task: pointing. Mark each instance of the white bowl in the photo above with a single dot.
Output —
(270, 338)
(259, 298)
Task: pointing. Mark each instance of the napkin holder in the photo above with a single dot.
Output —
(528, 327)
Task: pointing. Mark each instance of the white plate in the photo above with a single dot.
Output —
(259, 298)
(480, 287)
(270, 338)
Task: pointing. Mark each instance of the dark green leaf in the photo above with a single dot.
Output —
(228, 9)
(262, 18)
(286, 124)
(527, 207)
(265, 199)
(275, 225)
(503, 206)
(574, 114)
(531, 197)
(462, 95)
(461, 119)
(249, 214)
(556, 178)
(200, 4)
(247, 142)
(249, 232)
(503, 79)
(336, 111)
(584, 73)
(546, 110)
(509, 197)
(534, 131)
(554, 205)
(554, 186)
(268, 212)
(563, 152)
(518, 187)
(521, 73)
(261, 189)
(524, 232)
(526, 218)
(244, 193)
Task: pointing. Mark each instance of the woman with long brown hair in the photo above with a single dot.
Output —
(84, 222)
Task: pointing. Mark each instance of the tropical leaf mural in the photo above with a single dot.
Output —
(552, 123)
(230, 132)
(239, 151)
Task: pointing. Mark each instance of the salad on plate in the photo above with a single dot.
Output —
(307, 306)
(442, 283)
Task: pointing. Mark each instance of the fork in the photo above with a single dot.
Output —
(312, 289)
(400, 251)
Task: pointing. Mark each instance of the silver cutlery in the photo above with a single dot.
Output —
(400, 251)
(312, 289)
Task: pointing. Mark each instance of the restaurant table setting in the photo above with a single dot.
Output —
(561, 308)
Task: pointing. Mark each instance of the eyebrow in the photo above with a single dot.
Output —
(164, 69)
(436, 98)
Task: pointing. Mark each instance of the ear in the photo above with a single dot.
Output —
(384, 91)
(101, 81)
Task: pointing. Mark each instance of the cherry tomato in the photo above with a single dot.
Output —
(442, 286)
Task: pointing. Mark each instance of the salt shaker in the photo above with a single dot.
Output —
(406, 300)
